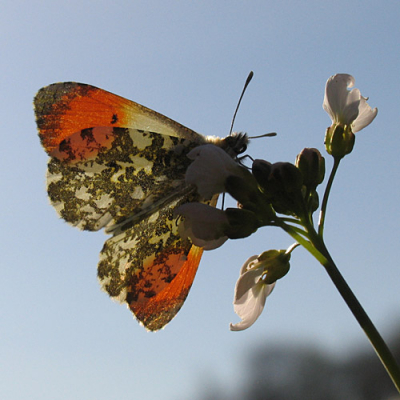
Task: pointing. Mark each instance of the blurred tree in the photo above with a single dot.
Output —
(305, 373)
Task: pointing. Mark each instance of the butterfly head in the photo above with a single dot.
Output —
(234, 144)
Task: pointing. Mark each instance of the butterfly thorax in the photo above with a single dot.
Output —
(234, 144)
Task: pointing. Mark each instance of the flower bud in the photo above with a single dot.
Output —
(313, 201)
(285, 177)
(275, 263)
(261, 170)
(339, 140)
(242, 223)
(312, 166)
(281, 183)
(243, 188)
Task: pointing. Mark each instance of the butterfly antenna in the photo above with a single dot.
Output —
(264, 135)
(249, 78)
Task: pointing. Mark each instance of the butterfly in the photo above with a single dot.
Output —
(117, 165)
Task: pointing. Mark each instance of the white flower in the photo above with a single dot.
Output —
(209, 170)
(203, 224)
(251, 292)
(347, 107)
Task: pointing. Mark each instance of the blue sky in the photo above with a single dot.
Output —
(60, 336)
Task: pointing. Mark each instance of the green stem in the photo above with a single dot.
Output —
(316, 246)
(293, 232)
(379, 345)
(290, 229)
(291, 220)
(322, 214)
(366, 324)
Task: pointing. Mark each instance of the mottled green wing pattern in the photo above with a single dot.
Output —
(139, 263)
(129, 181)
(125, 173)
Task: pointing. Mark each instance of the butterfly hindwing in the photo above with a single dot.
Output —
(149, 266)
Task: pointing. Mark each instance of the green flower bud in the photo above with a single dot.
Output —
(312, 166)
(278, 177)
(339, 140)
(282, 185)
(246, 191)
(285, 177)
(242, 223)
(314, 201)
(275, 263)
(243, 188)
(261, 170)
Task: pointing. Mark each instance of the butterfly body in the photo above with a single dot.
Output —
(117, 165)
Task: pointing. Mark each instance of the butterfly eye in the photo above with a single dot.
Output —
(242, 149)
(240, 142)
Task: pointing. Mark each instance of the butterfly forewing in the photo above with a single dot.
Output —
(135, 171)
(63, 109)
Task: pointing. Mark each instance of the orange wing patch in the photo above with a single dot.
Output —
(84, 145)
(156, 311)
(63, 109)
(66, 108)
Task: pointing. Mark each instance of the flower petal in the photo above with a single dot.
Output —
(336, 93)
(251, 304)
(209, 170)
(248, 264)
(203, 224)
(352, 107)
(210, 244)
(365, 116)
(246, 281)
(250, 293)
(341, 104)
